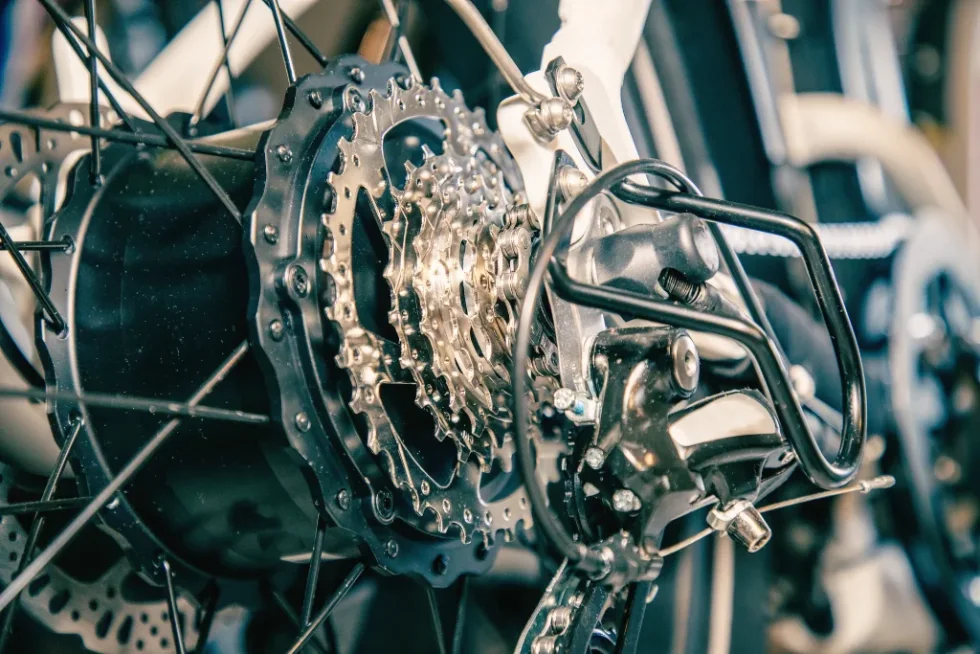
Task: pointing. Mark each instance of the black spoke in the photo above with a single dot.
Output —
(222, 62)
(143, 404)
(21, 580)
(301, 36)
(287, 56)
(283, 604)
(44, 506)
(172, 612)
(314, 573)
(229, 93)
(213, 593)
(38, 523)
(64, 24)
(397, 38)
(456, 646)
(63, 245)
(95, 116)
(137, 138)
(330, 605)
(430, 594)
(57, 322)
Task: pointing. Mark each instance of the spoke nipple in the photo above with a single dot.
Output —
(315, 98)
(303, 422)
(343, 499)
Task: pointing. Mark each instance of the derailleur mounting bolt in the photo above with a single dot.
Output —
(625, 501)
(595, 457)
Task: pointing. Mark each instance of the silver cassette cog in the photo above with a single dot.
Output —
(471, 410)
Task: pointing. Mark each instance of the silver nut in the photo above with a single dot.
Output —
(595, 457)
(743, 523)
(564, 399)
(625, 501)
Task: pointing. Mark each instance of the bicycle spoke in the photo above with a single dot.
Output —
(399, 39)
(38, 246)
(207, 620)
(43, 506)
(430, 594)
(38, 523)
(64, 25)
(287, 56)
(229, 93)
(222, 62)
(57, 322)
(328, 608)
(172, 612)
(290, 614)
(21, 580)
(95, 116)
(136, 138)
(314, 573)
(301, 36)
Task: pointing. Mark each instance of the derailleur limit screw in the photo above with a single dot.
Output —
(595, 457)
(625, 501)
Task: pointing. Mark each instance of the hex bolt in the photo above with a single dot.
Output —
(570, 83)
(384, 504)
(343, 499)
(625, 501)
(299, 281)
(571, 181)
(595, 457)
(277, 330)
(686, 362)
(303, 422)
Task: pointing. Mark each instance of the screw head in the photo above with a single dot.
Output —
(277, 330)
(356, 74)
(315, 98)
(570, 83)
(564, 399)
(440, 565)
(343, 499)
(384, 504)
(687, 363)
(271, 234)
(391, 548)
(284, 153)
(302, 422)
(299, 281)
(595, 457)
(625, 501)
